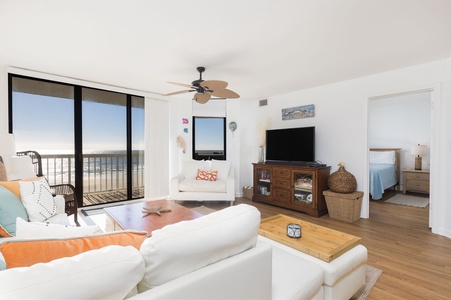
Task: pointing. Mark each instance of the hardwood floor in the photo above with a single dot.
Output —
(416, 263)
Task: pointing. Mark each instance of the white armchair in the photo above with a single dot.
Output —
(185, 186)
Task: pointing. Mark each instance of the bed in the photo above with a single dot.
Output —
(384, 170)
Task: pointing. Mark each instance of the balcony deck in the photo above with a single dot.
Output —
(104, 175)
(110, 196)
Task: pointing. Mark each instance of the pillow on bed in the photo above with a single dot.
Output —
(382, 157)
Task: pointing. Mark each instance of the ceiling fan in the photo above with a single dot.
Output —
(205, 89)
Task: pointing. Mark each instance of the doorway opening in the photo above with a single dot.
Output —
(403, 120)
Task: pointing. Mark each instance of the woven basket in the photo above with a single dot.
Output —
(344, 207)
(342, 181)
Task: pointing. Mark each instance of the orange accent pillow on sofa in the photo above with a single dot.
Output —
(25, 253)
(206, 175)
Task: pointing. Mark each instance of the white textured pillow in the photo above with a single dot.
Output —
(107, 273)
(382, 157)
(223, 168)
(183, 247)
(38, 200)
(28, 230)
(190, 168)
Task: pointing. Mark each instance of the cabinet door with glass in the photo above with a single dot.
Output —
(262, 181)
(303, 188)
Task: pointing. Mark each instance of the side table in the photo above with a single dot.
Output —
(416, 180)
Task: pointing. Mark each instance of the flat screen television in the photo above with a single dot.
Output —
(290, 145)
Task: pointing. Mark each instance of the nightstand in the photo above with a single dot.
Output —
(415, 180)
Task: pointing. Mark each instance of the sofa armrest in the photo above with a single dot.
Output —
(247, 275)
(230, 183)
(175, 181)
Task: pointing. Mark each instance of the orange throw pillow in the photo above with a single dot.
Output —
(25, 253)
(206, 175)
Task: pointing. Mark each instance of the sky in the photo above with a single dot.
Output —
(46, 124)
(209, 134)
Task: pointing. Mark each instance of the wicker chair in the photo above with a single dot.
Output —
(66, 190)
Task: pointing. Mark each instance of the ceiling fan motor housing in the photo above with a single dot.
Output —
(198, 81)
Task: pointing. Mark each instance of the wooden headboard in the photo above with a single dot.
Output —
(398, 160)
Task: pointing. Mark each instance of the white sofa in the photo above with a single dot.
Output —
(184, 186)
(218, 256)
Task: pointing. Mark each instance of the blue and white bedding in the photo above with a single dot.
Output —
(383, 173)
(381, 178)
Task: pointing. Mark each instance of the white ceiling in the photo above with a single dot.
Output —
(261, 47)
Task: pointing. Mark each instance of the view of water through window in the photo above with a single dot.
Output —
(43, 121)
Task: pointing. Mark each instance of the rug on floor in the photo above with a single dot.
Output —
(372, 274)
(203, 210)
(408, 200)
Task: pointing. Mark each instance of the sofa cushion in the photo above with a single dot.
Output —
(294, 277)
(60, 218)
(27, 252)
(107, 273)
(181, 248)
(190, 168)
(10, 208)
(38, 200)
(193, 185)
(18, 167)
(29, 230)
(223, 168)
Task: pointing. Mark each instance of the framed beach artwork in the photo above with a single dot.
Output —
(298, 112)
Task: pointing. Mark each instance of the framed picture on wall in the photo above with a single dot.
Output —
(298, 112)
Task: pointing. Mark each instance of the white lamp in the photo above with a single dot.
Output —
(418, 151)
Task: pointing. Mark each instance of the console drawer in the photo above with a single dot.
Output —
(281, 195)
(282, 172)
(282, 183)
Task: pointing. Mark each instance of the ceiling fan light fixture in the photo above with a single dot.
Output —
(205, 89)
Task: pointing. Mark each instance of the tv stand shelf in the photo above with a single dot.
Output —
(291, 186)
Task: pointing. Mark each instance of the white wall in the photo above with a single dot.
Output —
(400, 122)
(341, 123)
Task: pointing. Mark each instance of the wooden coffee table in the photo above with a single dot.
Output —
(320, 242)
(130, 216)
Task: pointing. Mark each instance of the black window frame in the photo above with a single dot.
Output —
(210, 156)
(78, 150)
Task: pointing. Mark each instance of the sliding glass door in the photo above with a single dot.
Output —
(93, 139)
(104, 130)
(43, 121)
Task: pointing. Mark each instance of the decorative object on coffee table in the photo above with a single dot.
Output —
(342, 181)
(155, 210)
(294, 230)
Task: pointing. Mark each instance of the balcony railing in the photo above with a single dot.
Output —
(104, 175)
